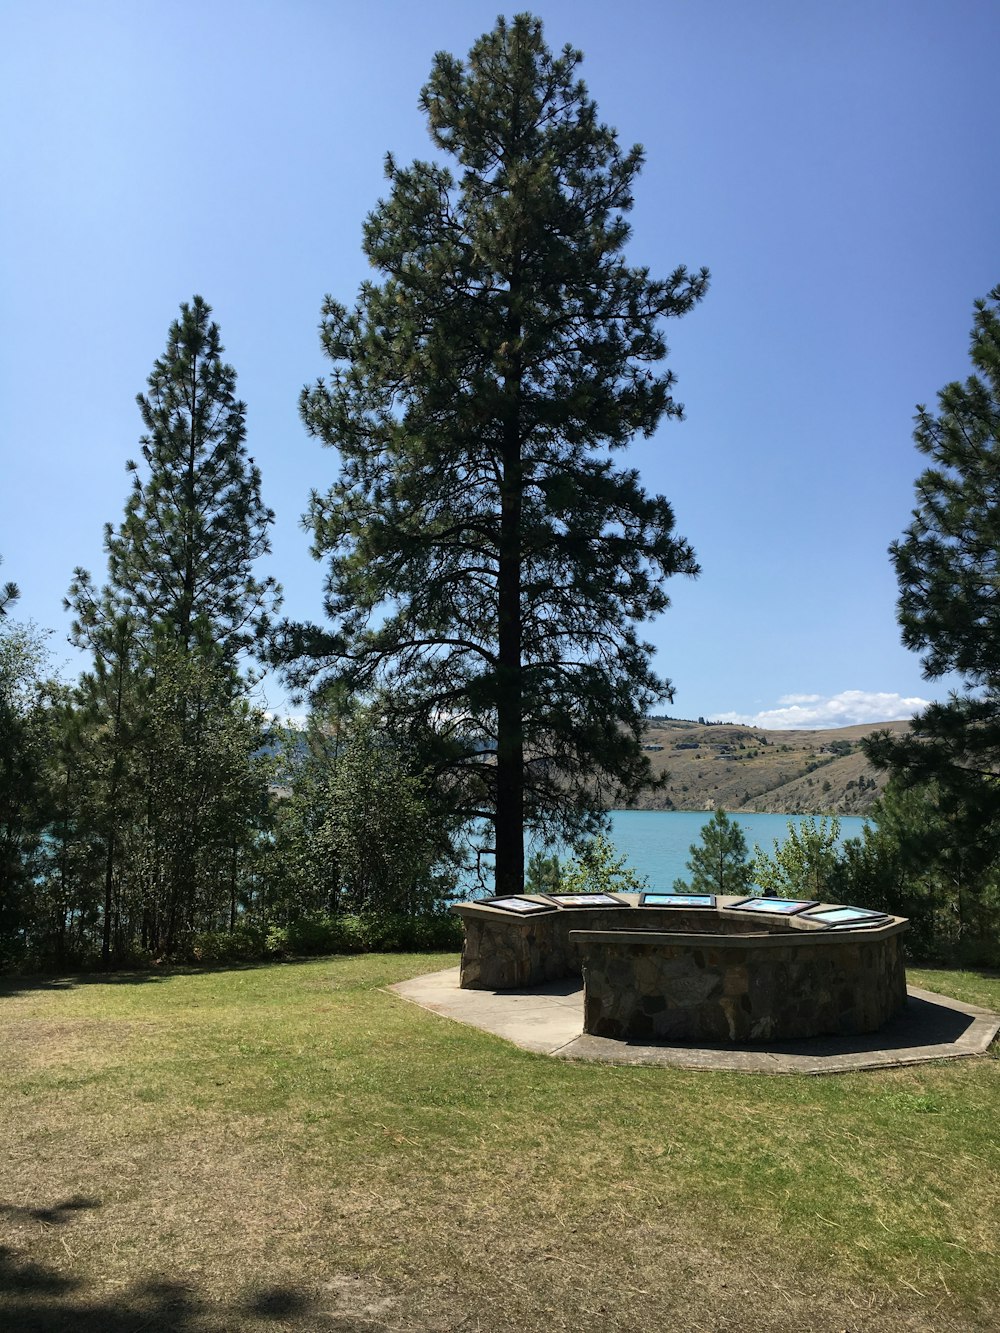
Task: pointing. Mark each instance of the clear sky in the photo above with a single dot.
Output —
(834, 165)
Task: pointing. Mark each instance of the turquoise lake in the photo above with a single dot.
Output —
(656, 842)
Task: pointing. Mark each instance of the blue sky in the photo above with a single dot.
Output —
(834, 165)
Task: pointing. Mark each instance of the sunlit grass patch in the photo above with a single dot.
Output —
(294, 1144)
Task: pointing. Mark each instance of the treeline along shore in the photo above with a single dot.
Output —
(755, 771)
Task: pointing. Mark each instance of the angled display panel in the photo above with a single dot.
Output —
(522, 906)
(654, 899)
(587, 900)
(775, 906)
(847, 916)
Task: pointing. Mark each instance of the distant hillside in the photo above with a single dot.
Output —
(747, 769)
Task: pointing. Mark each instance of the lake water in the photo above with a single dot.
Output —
(657, 842)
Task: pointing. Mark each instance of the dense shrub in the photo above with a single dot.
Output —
(933, 863)
(243, 944)
(385, 933)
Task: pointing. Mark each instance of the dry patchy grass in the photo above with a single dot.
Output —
(292, 1148)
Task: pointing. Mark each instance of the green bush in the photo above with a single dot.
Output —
(244, 944)
(599, 869)
(250, 942)
(370, 933)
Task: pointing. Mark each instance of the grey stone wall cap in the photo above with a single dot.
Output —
(489, 913)
(780, 925)
(764, 939)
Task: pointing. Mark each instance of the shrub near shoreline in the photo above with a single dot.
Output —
(323, 934)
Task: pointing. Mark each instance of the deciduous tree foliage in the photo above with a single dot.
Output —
(805, 865)
(24, 794)
(360, 830)
(948, 566)
(488, 561)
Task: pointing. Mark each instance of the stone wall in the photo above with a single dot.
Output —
(708, 990)
(502, 950)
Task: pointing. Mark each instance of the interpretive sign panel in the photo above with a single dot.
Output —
(847, 916)
(587, 900)
(780, 906)
(654, 899)
(523, 906)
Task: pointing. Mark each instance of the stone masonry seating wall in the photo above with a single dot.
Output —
(776, 987)
(701, 975)
(502, 950)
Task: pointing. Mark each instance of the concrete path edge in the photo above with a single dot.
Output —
(549, 1021)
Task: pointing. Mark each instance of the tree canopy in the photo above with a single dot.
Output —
(488, 562)
(948, 566)
(718, 863)
(804, 865)
(182, 558)
(9, 594)
(178, 788)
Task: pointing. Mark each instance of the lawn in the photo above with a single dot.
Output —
(289, 1147)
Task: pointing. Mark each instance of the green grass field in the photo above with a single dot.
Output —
(289, 1147)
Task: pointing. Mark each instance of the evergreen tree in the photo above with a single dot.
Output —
(948, 567)
(489, 563)
(66, 911)
(9, 594)
(195, 523)
(204, 797)
(544, 873)
(926, 859)
(718, 863)
(183, 800)
(111, 699)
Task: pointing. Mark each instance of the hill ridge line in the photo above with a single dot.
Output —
(748, 769)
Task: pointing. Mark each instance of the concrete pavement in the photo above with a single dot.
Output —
(549, 1021)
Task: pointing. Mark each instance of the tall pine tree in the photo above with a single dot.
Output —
(110, 701)
(948, 567)
(489, 563)
(169, 633)
(195, 522)
(946, 769)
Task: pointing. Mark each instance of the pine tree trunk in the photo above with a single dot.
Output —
(509, 828)
(116, 759)
(109, 871)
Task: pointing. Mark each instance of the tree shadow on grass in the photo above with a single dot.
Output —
(57, 1215)
(35, 1298)
(17, 984)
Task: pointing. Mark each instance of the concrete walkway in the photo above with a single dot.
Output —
(549, 1020)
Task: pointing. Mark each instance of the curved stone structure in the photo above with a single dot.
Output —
(698, 975)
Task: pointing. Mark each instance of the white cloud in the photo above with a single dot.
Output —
(848, 709)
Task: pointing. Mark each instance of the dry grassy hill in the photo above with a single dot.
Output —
(772, 772)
